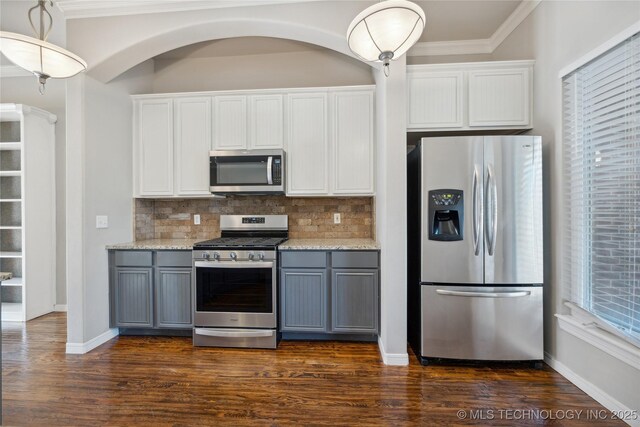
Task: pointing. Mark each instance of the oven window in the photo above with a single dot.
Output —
(247, 290)
(249, 170)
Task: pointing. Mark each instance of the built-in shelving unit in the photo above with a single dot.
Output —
(27, 211)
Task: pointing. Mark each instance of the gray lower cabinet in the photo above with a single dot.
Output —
(329, 292)
(150, 290)
(354, 301)
(133, 297)
(303, 303)
(173, 297)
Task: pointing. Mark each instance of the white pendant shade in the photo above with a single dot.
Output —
(392, 26)
(40, 57)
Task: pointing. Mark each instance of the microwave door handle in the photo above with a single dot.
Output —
(270, 170)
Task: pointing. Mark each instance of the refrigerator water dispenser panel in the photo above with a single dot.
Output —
(446, 215)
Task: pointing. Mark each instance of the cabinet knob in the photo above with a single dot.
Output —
(233, 256)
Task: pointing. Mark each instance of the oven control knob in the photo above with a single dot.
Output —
(206, 255)
(233, 256)
(251, 256)
(216, 256)
(261, 256)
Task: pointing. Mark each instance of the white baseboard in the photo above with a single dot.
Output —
(82, 348)
(603, 398)
(60, 307)
(392, 359)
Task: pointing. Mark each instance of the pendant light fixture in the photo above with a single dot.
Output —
(36, 55)
(385, 31)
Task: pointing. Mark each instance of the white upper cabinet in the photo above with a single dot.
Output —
(308, 148)
(330, 148)
(499, 97)
(435, 99)
(327, 135)
(470, 96)
(154, 147)
(353, 143)
(266, 121)
(192, 144)
(230, 122)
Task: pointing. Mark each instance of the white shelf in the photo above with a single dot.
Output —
(15, 281)
(10, 254)
(12, 312)
(10, 146)
(30, 154)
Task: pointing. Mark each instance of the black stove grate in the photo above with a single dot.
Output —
(240, 242)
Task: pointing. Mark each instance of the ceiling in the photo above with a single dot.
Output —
(464, 19)
(450, 20)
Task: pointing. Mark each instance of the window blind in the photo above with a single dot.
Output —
(601, 148)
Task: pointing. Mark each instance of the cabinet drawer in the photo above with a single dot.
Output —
(301, 259)
(134, 258)
(354, 259)
(173, 258)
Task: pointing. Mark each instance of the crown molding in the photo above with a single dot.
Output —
(77, 9)
(478, 46)
(456, 47)
(13, 71)
(511, 23)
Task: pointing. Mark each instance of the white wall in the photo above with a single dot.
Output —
(120, 48)
(390, 208)
(99, 182)
(555, 35)
(313, 68)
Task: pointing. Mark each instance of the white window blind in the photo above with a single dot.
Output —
(601, 132)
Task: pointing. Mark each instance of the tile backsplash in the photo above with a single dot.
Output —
(308, 217)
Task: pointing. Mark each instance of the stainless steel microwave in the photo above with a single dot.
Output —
(247, 172)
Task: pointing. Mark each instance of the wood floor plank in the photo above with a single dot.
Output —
(164, 381)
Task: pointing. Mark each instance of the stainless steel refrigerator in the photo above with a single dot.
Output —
(475, 248)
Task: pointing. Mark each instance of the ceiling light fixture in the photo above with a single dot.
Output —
(36, 55)
(385, 31)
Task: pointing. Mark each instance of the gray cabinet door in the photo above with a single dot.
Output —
(134, 297)
(303, 300)
(354, 300)
(173, 298)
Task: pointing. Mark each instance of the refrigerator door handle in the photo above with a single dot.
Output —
(477, 213)
(492, 204)
(515, 294)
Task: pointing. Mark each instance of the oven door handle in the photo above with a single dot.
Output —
(233, 264)
(233, 334)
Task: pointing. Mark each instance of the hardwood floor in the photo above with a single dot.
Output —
(165, 381)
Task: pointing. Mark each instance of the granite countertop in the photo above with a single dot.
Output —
(329, 244)
(157, 244)
(291, 244)
(5, 276)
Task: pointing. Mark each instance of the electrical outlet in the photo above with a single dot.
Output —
(196, 219)
(102, 221)
(336, 218)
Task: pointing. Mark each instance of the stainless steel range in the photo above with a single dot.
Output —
(235, 280)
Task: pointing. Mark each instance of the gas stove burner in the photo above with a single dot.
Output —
(248, 232)
(240, 242)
